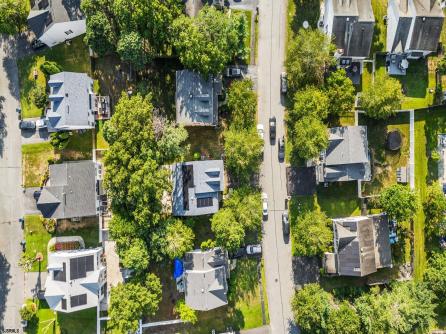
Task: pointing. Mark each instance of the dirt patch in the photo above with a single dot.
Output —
(64, 225)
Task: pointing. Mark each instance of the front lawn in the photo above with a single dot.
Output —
(73, 58)
(385, 162)
(35, 162)
(101, 143)
(50, 322)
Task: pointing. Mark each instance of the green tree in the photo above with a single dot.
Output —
(185, 312)
(28, 311)
(311, 306)
(208, 244)
(243, 150)
(155, 290)
(307, 59)
(382, 98)
(309, 137)
(341, 93)
(13, 14)
(310, 101)
(229, 232)
(246, 206)
(242, 104)
(39, 96)
(131, 49)
(179, 238)
(135, 256)
(207, 42)
(435, 209)
(400, 202)
(343, 319)
(60, 140)
(172, 144)
(435, 275)
(129, 302)
(50, 68)
(312, 234)
(100, 35)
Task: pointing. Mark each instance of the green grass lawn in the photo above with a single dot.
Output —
(37, 237)
(366, 79)
(379, 35)
(35, 162)
(206, 141)
(385, 162)
(300, 11)
(80, 146)
(50, 322)
(73, 57)
(101, 143)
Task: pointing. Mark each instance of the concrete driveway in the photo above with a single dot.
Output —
(11, 199)
(277, 249)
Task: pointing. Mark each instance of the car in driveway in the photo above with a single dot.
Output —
(37, 44)
(272, 128)
(283, 83)
(281, 149)
(41, 123)
(254, 249)
(233, 72)
(285, 223)
(27, 125)
(264, 205)
(260, 130)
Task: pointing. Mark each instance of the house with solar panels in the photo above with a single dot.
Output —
(196, 99)
(197, 187)
(56, 21)
(76, 279)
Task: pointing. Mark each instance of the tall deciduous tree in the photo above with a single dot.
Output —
(343, 319)
(13, 14)
(172, 144)
(311, 306)
(341, 93)
(131, 49)
(135, 256)
(308, 57)
(179, 238)
(185, 312)
(209, 41)
(400, 202)
(246, 205)
(229, 232)
(309, 137)
(100, 35)
(310, 101)
(435, 275)
(382, 98)
(242, 104)
(243, 150)
(435, 210)
(312, 234)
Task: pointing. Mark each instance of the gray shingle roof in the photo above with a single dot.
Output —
(196, 187)
(71, 191)
(205, 279)
(347, 156)
(361, 245)
(72, 99)
(196, 99)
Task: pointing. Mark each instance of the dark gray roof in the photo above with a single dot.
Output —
(205, 279)
(426, 33)
(347, 156)
(196, 187)
(196, 98)
(353, 25)
(45, 13)
(72, 99)
(361, 245)
(71, 191)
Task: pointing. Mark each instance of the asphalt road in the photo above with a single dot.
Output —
(11, 198)
(276, 248)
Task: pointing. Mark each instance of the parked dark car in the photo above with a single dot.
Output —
(285, 223)
(37, 44)
(272, 128)
(233, 72)
(281, 149)
(24, 125)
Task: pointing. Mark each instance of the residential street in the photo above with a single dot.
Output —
(276, 250)
(11, 276)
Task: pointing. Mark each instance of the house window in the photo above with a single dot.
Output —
(68, 32)
(204, 202)
(64, 304)
(78, 300)
(60, 275)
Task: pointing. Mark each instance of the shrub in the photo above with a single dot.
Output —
(39, 97)
(435, 156)
(60, 140)
(50, 225)
(26, 262)
(50, 67)
(28, 311)
(185, 312)
(44, 177)
(208, 244)
(197, 156)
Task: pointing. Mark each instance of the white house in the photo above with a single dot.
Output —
(76, 280)
(413, 27)
(56, 21)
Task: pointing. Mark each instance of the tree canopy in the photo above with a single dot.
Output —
(309, 137)
(310, 101)
(208, 42)
(229, 232)
(382, 98)
(435, 209)
(435, 275)
(185, 312)
(179, 238)
(400, 202)
(343, 319)
(242, 104)
(312, 234)
(340, 93)
(308, 57)
(135, 256)
(246, 205)
(13, 14)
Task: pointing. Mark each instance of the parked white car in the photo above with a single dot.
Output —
(41, 123)
(260, 130)
(265, 204)
(253, 249)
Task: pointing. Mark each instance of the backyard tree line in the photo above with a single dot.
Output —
(13, 14)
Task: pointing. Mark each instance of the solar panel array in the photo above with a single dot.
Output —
(78, 300)
(80, 265)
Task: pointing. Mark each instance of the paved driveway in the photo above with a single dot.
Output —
(11, 207)
(277, 249)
